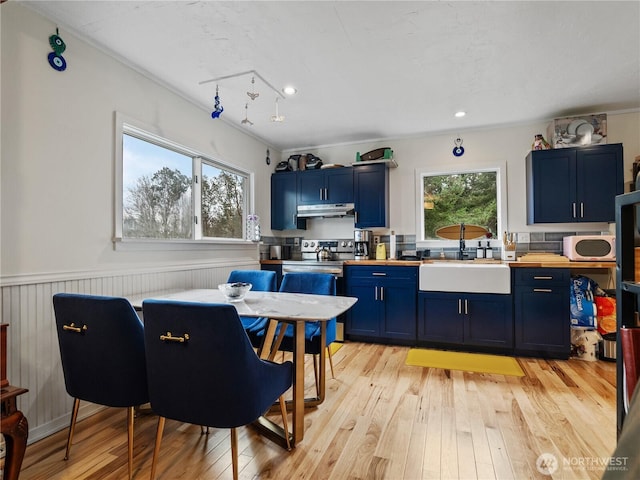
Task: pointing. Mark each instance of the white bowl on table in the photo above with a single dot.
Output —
(234, 292)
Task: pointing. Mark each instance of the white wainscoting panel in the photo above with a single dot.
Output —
(33, 356)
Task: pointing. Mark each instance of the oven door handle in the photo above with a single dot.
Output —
(309, 268)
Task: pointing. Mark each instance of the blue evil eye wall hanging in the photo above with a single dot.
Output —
(458, 150)
(56, 60)
(218, 109)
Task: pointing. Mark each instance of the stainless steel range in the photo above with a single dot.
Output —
(323, 256)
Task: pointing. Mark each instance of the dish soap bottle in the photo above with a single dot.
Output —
(488, 253)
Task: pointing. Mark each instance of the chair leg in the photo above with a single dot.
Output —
(130, 416)
(285, 424)
(234, 453)
(315, 373)
(316, 366)
(156, 449)
(276, 345)
(330, 362)
(72, 426)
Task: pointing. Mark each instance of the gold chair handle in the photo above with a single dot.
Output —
(73, 328)
(170, 338)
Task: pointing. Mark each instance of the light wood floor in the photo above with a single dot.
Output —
(381, 420)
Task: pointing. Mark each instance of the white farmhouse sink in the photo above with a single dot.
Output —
(465, 277)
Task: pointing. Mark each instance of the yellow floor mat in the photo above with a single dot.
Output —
(468, 362)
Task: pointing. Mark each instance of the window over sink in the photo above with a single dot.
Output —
(469, 194)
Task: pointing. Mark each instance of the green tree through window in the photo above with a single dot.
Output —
(451, 199)
(159, 188)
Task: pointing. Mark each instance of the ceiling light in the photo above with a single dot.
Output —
(460, 114)
(289, 90)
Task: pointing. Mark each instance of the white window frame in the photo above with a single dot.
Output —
(129, 126)
(501, 192)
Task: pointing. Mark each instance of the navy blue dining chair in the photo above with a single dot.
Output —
(314, 283)
(261, 281)
(203, 370)
(102, 351)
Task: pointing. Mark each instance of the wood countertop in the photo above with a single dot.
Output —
(417, 263)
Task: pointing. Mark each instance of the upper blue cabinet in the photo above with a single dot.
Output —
(330, 185)
(570, 185)
(366, 186)
(371, 195)
(283, 202)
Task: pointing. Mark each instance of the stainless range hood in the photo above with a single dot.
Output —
(326, 210)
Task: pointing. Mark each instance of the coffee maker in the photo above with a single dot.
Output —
(362, 244)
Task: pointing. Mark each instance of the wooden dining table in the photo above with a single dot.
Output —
(291, 308)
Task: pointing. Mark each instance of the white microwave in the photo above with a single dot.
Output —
(590, 248)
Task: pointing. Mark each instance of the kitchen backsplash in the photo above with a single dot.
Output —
(406, 244)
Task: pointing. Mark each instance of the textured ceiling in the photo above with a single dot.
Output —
(371, 70)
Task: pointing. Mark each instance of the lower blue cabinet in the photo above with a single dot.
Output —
(466, 319)
(542, 300)
(386, 306)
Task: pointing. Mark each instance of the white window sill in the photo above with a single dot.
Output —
(146, 245)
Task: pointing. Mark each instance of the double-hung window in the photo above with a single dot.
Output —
(166, 191)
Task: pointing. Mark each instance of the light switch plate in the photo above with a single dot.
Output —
(524, 237)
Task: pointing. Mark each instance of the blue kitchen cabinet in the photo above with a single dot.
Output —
(371, 195)
(571, 185)
(284, 213)
(466, 320)
(439, 318)
(330, 185)
(542, 325)
(386, 308)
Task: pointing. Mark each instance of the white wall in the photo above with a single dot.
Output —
(509, 145)
(58, 151)
(57, 197)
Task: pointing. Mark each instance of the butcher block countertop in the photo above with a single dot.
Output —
(385, 263)
(410, 263)
(517, 264)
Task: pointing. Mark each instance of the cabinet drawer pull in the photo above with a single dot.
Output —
(542, 290)
(543, 278)
(379, 274)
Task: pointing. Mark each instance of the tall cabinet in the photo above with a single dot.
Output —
(570, 185)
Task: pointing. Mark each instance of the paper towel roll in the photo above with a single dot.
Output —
(392, 245)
